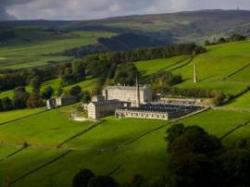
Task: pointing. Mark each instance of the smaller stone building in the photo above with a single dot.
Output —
(60, 101)
(99, 109)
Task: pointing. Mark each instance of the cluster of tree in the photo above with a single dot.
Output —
(72, 72)
(199, 159)
(217, 96)
(121, 42)
(6, 34)
(232, 38)
(104, 65)
(13, 79)
(86, 178)
(80, 95)
(126, 74)
(162, 81)
(21, 99)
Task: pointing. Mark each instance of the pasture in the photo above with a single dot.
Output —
(121, 147)
(45, 52)
(224, 67)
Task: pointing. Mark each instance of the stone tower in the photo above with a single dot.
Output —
(138, 98)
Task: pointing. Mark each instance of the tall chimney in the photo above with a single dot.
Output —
(138, 99)
(194, 74)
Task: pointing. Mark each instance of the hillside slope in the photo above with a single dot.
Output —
(223, 67)
(193, 25)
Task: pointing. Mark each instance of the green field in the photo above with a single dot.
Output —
(122, 147)
(39, 53)
(131, 146)
(86, 85)
(17, 114)
(242, 102)
(224, 67)
(48, 128)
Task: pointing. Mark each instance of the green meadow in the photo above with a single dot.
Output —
(86, 85)
(242, 102)
(223, 67)
(121, 147)
(44, 52)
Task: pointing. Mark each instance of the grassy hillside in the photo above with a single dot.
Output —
(39, 53)
(224, 67)
(86, 85)
(241, 103)
(127, 147)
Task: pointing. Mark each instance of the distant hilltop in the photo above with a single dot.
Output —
(183, 26)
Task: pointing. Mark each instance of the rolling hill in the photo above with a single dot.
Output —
(46, 148)
(183, 26)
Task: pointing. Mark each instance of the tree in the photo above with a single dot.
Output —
(1, 105)
(82, 178)
(174, 132)
(103, 181)
(59, 91)
(234, 167)
(35, 83)
(190, 169)
(162, 81)
(126, 74)
(20, 98)
(7, 104)
(195, 140)
(48, 93)
(86, 98)
(34, 100)
(78, 70)
(139, 181)
(76, 91)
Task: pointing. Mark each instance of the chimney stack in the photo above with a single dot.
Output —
(138, 99)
